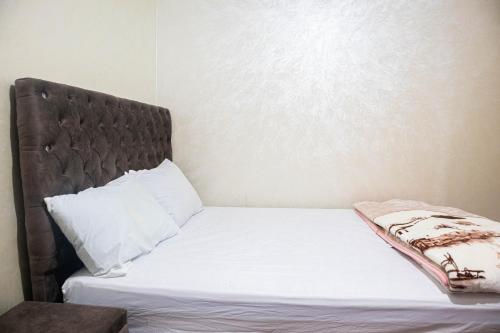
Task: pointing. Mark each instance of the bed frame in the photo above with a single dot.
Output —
(71, 139)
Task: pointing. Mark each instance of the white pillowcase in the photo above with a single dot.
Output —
(168, 185)
(110, 225)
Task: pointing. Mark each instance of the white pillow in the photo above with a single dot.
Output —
(168, 185)
(110, 225)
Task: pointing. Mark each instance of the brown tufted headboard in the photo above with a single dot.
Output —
(71, 139)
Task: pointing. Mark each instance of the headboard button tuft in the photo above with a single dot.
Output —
(95, 142)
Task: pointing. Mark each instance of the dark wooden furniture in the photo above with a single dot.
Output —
(42, 317)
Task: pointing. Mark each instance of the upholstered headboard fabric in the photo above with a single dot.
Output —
(71, 139)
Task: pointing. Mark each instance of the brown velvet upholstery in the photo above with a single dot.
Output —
(71, 139)
(38, 317)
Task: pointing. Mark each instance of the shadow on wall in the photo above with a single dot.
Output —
(18, 200)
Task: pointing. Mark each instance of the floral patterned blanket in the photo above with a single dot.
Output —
(461, 250)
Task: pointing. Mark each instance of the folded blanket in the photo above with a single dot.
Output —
(461, 250)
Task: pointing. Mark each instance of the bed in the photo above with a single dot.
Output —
(230, 269)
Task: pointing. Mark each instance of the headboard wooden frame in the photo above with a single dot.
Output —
(71, 139)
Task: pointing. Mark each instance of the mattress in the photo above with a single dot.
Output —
(282, 270)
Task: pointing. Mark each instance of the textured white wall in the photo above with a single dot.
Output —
(323, 103)
(101, 45)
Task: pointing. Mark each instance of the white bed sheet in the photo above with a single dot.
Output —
(282, 270)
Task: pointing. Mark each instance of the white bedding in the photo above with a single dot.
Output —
(282, 270)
